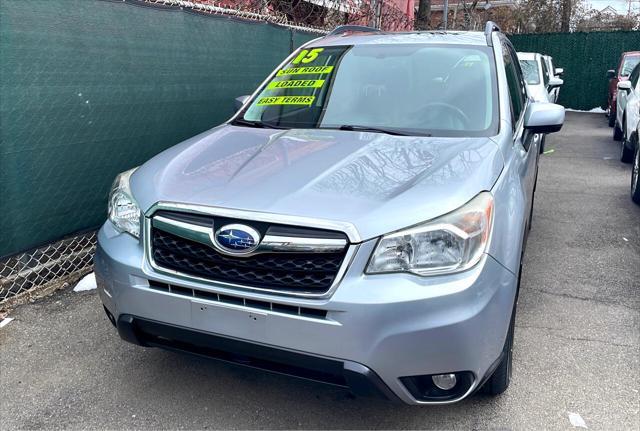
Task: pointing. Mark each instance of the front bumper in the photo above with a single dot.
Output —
(360, 379)
(387, 326)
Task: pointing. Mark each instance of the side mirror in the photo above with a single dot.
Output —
(624, 85)
(239, 101)
(544, 117)
(611, 74)
(555, 82)
(559, 71)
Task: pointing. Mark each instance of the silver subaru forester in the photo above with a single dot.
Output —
(360, 221)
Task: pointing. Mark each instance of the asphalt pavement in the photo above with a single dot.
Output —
(576, 350)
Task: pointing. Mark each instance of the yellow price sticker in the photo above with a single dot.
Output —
(286, 100)
(297, 83)
(310, 70)
(307, 56)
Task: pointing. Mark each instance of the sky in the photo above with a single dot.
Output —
(622, 6)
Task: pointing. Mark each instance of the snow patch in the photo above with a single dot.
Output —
(597, 110)
(5, 321)
(88, 282)
(576, 420)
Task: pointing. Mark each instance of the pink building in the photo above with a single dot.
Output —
(408, 7)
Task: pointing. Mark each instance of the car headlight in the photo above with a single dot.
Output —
(124, 212)
(451, 243)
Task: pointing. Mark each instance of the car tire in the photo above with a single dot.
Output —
(617, 132)
(626, 153)
(533, 200)
(635, 176)
(612, 119)
(542, 143)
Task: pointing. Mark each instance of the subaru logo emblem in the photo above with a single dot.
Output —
(236, 239)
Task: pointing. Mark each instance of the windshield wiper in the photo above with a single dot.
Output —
(258, 124)
(350, 127)
(357, 128)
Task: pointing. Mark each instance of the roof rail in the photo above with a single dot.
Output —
(489, 28)
(355, 28)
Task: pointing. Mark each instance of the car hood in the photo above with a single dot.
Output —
(377, 182)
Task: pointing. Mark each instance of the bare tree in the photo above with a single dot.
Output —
(521, 16)
(423, 20)
(597, 20)
(470, 13)
(566, 16)
(548, 16)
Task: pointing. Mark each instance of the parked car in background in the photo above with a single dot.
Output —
(343, 226)
(635, 170)
(541, 84)
(628, 114)
(554, 72)
(628, 62)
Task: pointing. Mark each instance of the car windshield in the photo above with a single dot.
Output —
(416, 90)
(629, 64)
(530, 71)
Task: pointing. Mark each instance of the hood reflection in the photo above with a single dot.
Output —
(389, 165)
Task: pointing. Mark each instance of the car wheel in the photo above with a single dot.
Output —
(635, 176)
(533, 199)
(617, 132)
(626, 153)
(542, 143)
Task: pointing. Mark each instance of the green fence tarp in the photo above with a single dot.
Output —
(90, 88)
(585, 57)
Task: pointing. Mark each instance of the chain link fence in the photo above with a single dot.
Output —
(388, 15)
(50, 263)
(91, 88)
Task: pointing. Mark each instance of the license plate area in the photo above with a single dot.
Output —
(228, 320)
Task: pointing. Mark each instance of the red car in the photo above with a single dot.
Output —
(628, 61)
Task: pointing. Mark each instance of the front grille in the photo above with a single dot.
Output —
(303, 273)
(314, 313)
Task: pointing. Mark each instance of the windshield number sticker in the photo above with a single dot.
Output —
(310, 70)
(300, 83)
(286, 100)
(307, 56)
